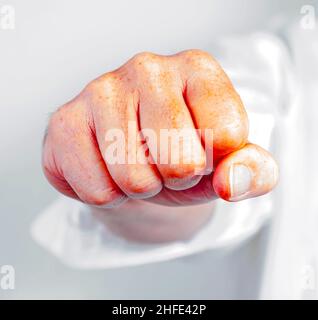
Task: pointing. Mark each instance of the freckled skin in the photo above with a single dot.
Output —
(185, 90)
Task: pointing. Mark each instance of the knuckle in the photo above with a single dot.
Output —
(194, 52)
(61, 120)
(103, 198)
(58, 120)
(199, 58)
(182, 177)
(143, 56)
(102, 86)
(67, 123)
(180, 171)
(146, 62)
(137, 186)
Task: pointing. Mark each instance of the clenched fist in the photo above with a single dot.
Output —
(189, 91)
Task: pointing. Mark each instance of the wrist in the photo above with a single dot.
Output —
(142, 221)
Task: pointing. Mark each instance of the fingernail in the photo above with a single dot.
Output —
(240, 181)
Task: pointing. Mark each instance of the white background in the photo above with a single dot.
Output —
(55, 49)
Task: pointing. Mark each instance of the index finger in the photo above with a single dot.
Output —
(213, 101)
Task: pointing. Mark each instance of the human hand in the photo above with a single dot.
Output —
(186, 90)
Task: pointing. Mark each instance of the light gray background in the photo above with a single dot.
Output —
(56, 48)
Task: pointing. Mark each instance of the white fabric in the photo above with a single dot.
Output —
(292, 260)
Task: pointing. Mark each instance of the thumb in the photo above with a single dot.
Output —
(245, 173)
